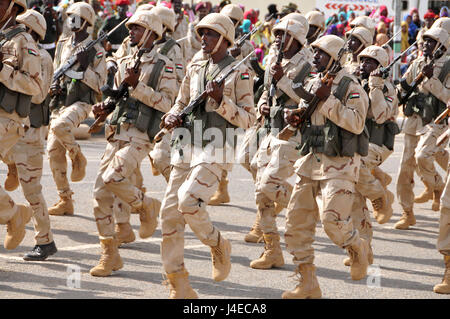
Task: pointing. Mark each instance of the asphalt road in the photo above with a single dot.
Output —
(406, 265)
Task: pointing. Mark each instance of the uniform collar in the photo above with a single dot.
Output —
(148, 56)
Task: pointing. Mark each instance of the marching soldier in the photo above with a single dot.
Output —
(134, 123)
(275, 158)
(443, 242)
(193, 180)
(20, 79)
(424, 104)
(25, 159)
(382, 128)
(181, 29)
(72, 98)
(327, 169)
(360, 38)
(201, 9)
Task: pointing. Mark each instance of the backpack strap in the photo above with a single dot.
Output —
(342, 88)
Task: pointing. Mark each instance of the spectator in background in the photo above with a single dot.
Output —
(405, 36)
(272, 9)
(416, 20)
(342, 25)
(384, 16)
(382, 28)
(412, 29)
(251, 15)
(331, 24)
(443, 12)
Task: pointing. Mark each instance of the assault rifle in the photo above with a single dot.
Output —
(73, 59)
(247, 35)
(115, 95)
(199, 99)
(385, 71)
(443, 115)
(421, 76)
(306, 113)
(273, 83)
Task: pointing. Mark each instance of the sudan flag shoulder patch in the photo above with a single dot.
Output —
(388, 98)
(168, 69)
(354, 95)
(99, 55)
(312, 74)
(245, 76)
(179, 66)
(32, 52)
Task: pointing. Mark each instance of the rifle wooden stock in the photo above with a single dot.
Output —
(442, 116)
(443, 138)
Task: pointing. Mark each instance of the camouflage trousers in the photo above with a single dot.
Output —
(160, 156)
(27, 155)
(443, 242)
(368, 187)
(275, 161)
(303, 214)
(248, 150)
(121, 210)
(61, 139)
(10, 133)
(419, 153)
(187, 195)
(119, 163)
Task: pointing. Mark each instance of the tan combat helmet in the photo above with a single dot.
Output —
(377, 53)
(219, 23)
(294, 28)
(442, 22)
(148, 20)
(167, 17)
(317, 19)
(297, 17)
(22, 5)
(233, 11)
(83, 10)
(363, 35)
(35, 21)
(365, 22)
(440, 35)
(330, 44)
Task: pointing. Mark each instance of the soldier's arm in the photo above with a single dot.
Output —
(163, 98)
(382, 105)
(285, 83)
(46, 76)
(21, 72)
(237, 107)
(184, 93)
(95, 74)
(436, 87)
(351, 115)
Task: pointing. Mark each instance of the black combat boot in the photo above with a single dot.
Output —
(41, 252)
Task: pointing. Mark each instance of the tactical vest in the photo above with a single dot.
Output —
(132, 111)
(11, 101)
(427, 106)
(276, 111)
(40, 113)
(331, 139)
(168, 45)
(209, 119)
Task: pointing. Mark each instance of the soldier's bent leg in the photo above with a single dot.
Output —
(161, 156)
(58, 164)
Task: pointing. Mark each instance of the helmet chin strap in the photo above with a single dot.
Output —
(8, 12)
(329, 64)
(288, 45)
(145, 37)
(216, 48)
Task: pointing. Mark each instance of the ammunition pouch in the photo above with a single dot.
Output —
(277, 116)
(382, 134)
(11, 101)
(40, 114)
(427, 106)
(333, 141)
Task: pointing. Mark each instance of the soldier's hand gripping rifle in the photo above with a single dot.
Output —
(312, 99)
(115, 95)
(421, 76)
(73, 59)
(273, 83)
(199, 99)
(386, 71)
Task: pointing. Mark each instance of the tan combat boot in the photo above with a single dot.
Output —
(359, 255)
(124, 233)
(15, 227)
(12, 179)
(79, 163)
(109, 261)
(348, 260)
(272, 255)
(308, 287)
(406, 220)
(63, 207)
(444, 286)
(221, 196)
(220, 256)
(255, 235)
(425, 196)
(384, 178)
(148, 215)
(179, 285)
(382, 207)
(436, 200)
